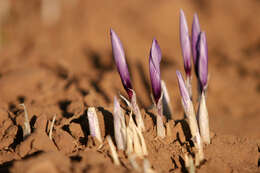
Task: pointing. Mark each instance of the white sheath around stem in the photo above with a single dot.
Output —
(129, 141)
(129, 136)
(113, 151)
(159, 119)
(167, 107)
(189, 163)
(94, 124)
(137, 112)
(119, 126)
(135, 140)
(27, 127)
(199, 155)
(51, 127)
(189, 111)
(189, 85)
(142, 141)
(198, 90)
(160, 127)
(137, 147)
(203, 120)
(192, 118)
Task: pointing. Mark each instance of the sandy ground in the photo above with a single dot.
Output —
(65, 66)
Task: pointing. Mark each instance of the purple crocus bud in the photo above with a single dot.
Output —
(119, 57)
(195, 39)
(183, 90)
(154, 67)
(185, 43)
(203, 61)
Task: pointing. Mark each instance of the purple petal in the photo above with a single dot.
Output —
(183, 90)
(119, 57)
(185, 43)
(203, 60)
(154, 67)
(195, 40)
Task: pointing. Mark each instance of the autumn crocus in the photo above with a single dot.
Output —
(155, 76)
(186, 50)
(195, 33)
(203, 79)
(189, 111)
(122, 68)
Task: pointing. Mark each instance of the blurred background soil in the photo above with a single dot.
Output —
(55, 56)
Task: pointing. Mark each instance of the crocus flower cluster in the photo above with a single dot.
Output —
(122, 68)
(200, 60)
(190, 113)
(155, 76)
(200, 127)
(129, 137)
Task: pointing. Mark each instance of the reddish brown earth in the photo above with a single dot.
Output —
(66, 67)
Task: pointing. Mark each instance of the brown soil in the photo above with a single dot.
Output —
(65, 67)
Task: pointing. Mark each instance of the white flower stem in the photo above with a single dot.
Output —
(167, 107)
(113, 151)
(27, 127)
(94, 124)
(189, 163)
(189, 85)
(137, 112)
(119, 126)
(203, 120)
(51, 127)
(194, 130)
(159, 120)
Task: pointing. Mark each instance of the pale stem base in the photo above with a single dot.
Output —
(189, 85)
(119, 126)
(113, 151)
(159, 120)
(94, 124)
(203, 120)
(194, 131)
(135, 140)
(167, 107)
(51, 128)
(27, 127)
(137, 112)
(160, 126)
(189, 164)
